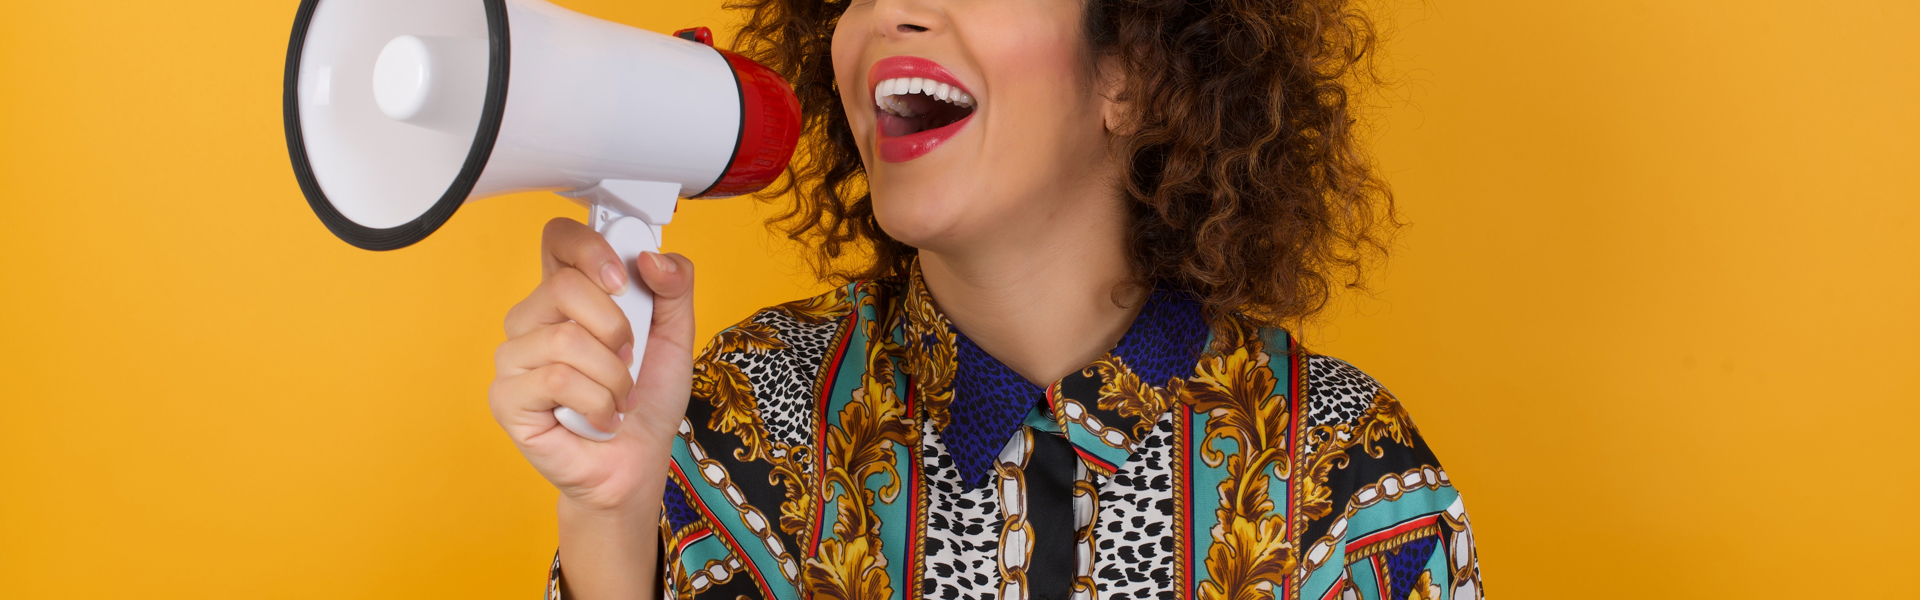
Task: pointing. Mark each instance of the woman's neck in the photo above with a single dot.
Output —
(1042, 301)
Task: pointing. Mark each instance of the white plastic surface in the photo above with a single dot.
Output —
(630, 236)
(627, 119)
(591, 100)
(650, 201)
(421, 81)
(377, 171)
(587, 100)
(402, 76)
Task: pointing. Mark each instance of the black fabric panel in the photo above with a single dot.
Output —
(1085, 388)
(1365, 469)
(1050, 513)
(750, 477)
(740, 586)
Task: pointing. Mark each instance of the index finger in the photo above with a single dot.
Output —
(569, 243)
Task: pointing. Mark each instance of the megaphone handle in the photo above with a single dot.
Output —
(629, 237)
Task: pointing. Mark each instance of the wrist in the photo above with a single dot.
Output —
(598, 512)
(654, 427)
(609, 551)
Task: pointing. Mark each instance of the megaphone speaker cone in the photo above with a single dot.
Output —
(399, 111)
(376, 181)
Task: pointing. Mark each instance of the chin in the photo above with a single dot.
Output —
(922, 218)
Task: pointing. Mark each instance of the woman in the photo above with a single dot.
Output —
(1056, 369)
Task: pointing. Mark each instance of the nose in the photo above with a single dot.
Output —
(906, 19)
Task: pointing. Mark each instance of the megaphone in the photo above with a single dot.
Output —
(399, 111)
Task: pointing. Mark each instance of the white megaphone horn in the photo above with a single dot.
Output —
(399, 111)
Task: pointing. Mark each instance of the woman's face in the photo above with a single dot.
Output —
(977, 119)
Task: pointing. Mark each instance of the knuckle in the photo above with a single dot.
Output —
(501, 396)
(555, 379)
(500, 393)
(518, 311)
(556, 228)
(571, 338)
(622, 331)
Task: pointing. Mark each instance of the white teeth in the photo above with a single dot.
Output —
(901, 108)
(884, 91)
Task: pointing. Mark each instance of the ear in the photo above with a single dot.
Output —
(1111, 84)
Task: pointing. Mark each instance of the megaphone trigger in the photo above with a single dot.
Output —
(629, 214)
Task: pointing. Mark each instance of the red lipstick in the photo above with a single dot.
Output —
(905, 147)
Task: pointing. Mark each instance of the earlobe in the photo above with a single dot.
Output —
(1115, 110)
(1114, 116)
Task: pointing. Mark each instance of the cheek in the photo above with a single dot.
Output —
(1038, 69)
(849, 44)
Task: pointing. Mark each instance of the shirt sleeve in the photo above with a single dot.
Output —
(1385, 521)
(553, 579)
(696, 557)
(718, 511)
(1411, 549)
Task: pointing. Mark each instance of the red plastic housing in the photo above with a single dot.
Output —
(696, 34)
(769, 130)
(769, 124)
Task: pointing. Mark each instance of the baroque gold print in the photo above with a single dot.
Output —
(850, 565)
(849, 569)
(1122, 391)
(819, 309)
(752, 337)
(1385, 419)
(1251, 554)
(737, 413)
(930, 349)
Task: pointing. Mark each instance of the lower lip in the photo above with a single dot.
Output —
(912, 146)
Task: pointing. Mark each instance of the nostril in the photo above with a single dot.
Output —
(907, 28)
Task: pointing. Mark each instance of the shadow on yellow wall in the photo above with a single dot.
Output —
(1657, 311)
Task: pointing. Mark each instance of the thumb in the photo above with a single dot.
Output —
(666, 369)
(670, 277)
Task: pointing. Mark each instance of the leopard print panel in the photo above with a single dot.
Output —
(963, 529)
(1340, 392)
(1135, 552)
(783, 381)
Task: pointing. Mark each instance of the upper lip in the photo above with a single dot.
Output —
(911, 66)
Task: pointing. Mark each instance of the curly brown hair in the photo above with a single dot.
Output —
(1247, 180)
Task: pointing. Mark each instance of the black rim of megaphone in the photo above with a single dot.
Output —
(418, 229)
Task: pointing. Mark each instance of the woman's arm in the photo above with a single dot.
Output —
(611, 553)
(569, 345)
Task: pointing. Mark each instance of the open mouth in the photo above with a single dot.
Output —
(918, 105)
(910, 105)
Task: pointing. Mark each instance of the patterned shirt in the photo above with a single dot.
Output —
(857, 445)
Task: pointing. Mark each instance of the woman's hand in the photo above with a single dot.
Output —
(569, 345)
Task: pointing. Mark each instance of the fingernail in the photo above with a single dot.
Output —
(661, 263)
(626, 354)
(614, 279)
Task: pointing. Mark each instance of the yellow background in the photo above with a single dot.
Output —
(1657, 309)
